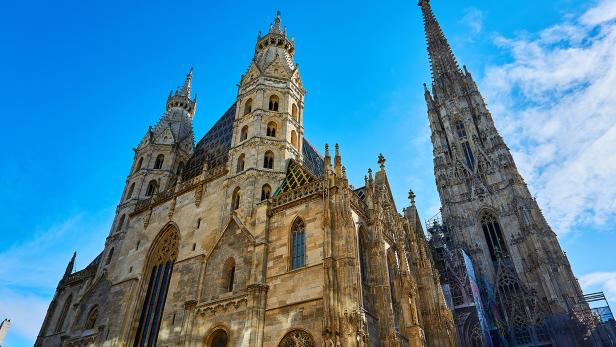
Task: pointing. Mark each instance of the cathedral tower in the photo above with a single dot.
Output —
(268, 130)
(487, 207)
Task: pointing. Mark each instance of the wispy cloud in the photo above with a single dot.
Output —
(555, 102)
(473, 18)
(605, 281)
(30, 271)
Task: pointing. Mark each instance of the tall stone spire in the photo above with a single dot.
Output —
(487, 208)
(442, 59)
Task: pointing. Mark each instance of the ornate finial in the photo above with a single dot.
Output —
(326, 150)
(412, 197)
(337, 150)
(382, 161)
(370, 175)
(71, 265)
(187, 84)
(344, 172)
(276, 27)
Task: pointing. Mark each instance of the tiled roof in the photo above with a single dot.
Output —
(215, 145)
(312, 159)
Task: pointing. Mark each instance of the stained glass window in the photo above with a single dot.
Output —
(298, 245)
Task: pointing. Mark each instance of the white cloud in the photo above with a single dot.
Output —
(605, 11)
(605, 281)
(30, 271)
(473, 18)
(26, 312)
(556, 104)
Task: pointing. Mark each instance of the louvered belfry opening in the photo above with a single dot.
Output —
(159, 269)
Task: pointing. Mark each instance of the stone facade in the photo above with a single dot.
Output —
(252, 238)
(525, 278)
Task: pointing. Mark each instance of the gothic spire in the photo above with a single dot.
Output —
(187, 83)
(181, 97)
(442, 59)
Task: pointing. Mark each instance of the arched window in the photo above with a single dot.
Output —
(129, 194)
(240, 163)
(266, 192)
(121, 223)
(235, 199)
(294, 138)
(158, 164)
(228, 275)
(218, 339)
(109, 256)
(460, 130)
(494, 236)
(295, 113)
(244, 133)
(468, 155)
(271, 129)
(393, 270)
(139, 164)
(63, 313)
(157, 274)
(273, 103)
(91, 318)
(268, 160)
(297, 338)
(298, 244)
(248, 107)
(152, 188)
(362, 256)
(180, 168)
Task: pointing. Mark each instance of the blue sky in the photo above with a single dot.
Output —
(82, 81)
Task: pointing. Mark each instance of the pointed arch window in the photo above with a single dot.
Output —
(468, 155)
(240, 163)
(266, 192)
(298, 244)
(268, 160)
(460, 130)
(271, 129)
(294, 113)
(362, 256)
(109, 257)
(244, 133)
(158, 164)
(63, 313)
(294, 138)
(235, 199)
(139, 164)
(152, 188)
(129, 194)
(121, 223)
(91, 318)
(273, 103)
(159, 269)
(248, 107)
(228, 275)
(180, 168)
(219, 338)
(494, 236)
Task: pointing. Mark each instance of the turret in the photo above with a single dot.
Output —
(268, 130)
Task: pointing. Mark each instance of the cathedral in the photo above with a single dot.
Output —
(252, 237)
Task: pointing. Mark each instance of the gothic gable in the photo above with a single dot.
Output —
(233, 250)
